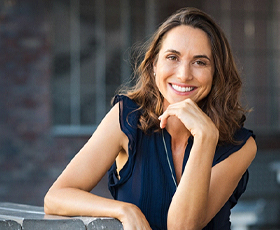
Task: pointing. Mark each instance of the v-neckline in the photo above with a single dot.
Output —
(167, 137)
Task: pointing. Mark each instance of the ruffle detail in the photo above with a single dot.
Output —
(223, 152)
(129, 114)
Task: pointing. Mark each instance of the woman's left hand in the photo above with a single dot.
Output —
(194, 119)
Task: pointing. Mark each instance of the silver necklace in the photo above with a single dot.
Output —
(167, 157)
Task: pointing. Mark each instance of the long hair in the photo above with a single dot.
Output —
(222, 103)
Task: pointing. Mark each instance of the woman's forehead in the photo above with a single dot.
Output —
(186, 38)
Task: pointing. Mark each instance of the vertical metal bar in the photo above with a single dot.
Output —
(249, 54)
(226, 18)
(100, 62)
(273, 44)
(75, 72)
(126, 37)
(150, 21)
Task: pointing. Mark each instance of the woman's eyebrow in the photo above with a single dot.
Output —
(178, 53)
(202, 56)
(172, 51)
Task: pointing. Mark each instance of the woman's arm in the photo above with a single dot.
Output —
(188, 208)
(203, 190)
(70, 194)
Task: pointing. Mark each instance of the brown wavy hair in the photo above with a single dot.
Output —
(222, 103)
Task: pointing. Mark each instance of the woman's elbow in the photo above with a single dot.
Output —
(49, 204)
(47, 209)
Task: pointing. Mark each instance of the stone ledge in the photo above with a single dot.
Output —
(26, 217)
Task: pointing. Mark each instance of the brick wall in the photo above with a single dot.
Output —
(30, 157)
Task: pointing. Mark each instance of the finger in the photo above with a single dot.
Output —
(163, 122)
(181, 110)
(171, 110)
(163, 119)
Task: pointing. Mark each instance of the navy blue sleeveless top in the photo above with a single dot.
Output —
(146, 180)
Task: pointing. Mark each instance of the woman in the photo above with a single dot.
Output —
(174, 145)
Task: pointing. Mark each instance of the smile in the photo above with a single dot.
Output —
(182, 89)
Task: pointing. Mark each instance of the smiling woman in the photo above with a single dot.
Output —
(222, 103)
(184, 67)
(174, 145)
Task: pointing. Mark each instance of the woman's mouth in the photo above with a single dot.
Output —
(182, 89)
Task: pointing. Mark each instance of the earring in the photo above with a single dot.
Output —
(154, 74)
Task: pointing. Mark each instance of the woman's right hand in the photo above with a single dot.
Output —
(132, 218)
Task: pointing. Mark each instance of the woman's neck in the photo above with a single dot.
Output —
(179, 141)
(178, 132)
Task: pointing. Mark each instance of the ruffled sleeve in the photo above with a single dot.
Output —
(222, 152)
(129, 114)
(240, 189)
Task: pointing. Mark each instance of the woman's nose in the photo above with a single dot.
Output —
(185, 72)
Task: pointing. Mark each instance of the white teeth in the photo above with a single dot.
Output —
(182, 89)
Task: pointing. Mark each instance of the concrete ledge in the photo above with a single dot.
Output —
(9, 225)
(26, 217)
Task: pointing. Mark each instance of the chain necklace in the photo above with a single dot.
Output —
(167, 157)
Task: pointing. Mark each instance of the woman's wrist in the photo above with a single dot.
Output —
(123, 210)
(210, 137)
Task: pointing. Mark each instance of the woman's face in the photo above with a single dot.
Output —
(185, 67)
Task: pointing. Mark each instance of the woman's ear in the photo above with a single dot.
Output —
(154, 67)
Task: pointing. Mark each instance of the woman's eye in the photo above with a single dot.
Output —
(172, 58)
(201, 63)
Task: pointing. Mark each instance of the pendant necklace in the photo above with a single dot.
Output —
(167, 157)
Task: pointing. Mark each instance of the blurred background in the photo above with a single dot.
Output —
(63, 60)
